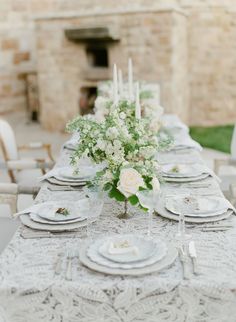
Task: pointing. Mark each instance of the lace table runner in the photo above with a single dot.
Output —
(30, 291)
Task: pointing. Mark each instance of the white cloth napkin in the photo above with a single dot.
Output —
(113, 249)
(73, 141)
(186, 142)
(30, 209)
(171, 121)
(50, 173)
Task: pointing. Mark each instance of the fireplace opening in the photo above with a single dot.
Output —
(87, 99)
(97, 56)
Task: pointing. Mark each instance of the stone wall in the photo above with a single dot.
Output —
(151, 39)
(212, 65)
(201, 47)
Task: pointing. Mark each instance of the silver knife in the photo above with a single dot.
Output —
(183, 259)
(220, 228)
(193, 255)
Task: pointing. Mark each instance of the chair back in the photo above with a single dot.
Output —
(233, 144)
(8, 141)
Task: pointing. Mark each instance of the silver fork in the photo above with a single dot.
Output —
(70, 254)
(58, 264)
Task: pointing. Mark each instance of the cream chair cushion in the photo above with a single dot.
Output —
(8, 139)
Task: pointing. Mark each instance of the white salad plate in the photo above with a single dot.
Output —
(197, 206)
(76, 210)
(85, 172)
(94, 255)
(182, 170)
(157, 266)
(162, 211)
(136, 248)
(72, 180)
(27, 221)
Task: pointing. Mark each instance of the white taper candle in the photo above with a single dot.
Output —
(137, 103)
(120, 82)
(130, 79)
(115, 85)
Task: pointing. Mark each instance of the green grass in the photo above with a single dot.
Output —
(214, 137)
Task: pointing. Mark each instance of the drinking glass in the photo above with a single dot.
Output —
(95, 205)
(181, 235)
(149, 199)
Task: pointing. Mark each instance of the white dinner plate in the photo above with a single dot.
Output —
(72, 180)
(94, 255)
(162, 211)
(197, 206)
(38, 219)
(189, 179)
(164, 263)
(140, 249)
(27, 221)
(181, 170)
(76, 210)
(57, 182)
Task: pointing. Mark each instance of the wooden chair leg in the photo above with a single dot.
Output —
(11, 200)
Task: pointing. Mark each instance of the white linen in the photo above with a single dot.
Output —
(30, 291)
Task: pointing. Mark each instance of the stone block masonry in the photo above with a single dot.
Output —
(189, 47)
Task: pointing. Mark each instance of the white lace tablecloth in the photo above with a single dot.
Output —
(30, 291)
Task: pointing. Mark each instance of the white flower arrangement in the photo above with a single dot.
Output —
(149, 108)
(127, 147)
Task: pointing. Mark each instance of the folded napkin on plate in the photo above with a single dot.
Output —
(173, 121)
(122, 248)
(206, 169)
(186, 142)
(50, 174)
(73, 141)
(29, 210)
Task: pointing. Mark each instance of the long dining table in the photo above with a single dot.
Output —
(30, 291)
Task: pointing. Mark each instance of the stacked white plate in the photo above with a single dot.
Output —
(197, 209)
(183, 172)
(68, 176)
(47, 218)
(127, 255)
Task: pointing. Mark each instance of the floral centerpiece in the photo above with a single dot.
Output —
(125, 145)
(149, 109)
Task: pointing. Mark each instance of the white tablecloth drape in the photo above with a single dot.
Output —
(30, 291)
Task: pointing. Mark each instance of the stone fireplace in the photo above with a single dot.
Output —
(96, 42)
(75, 52)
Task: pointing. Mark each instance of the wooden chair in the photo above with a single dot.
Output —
(16, 166)
(9, 194)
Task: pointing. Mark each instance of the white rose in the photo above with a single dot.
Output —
(130, 181)
(155, 184)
